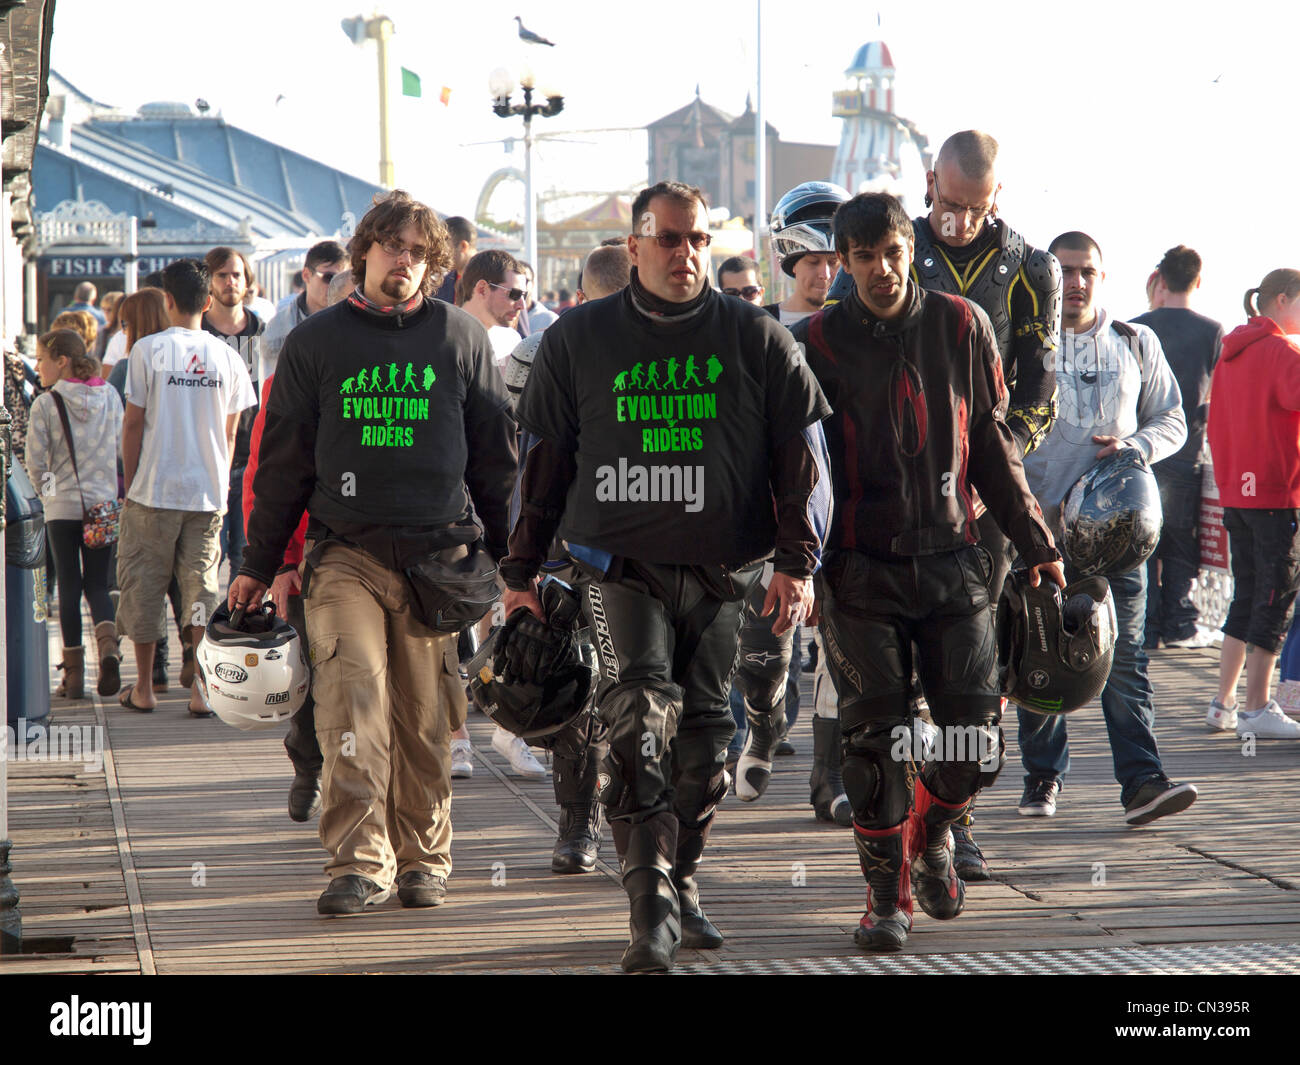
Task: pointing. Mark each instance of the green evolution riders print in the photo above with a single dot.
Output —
(383, 398)
(672, 393)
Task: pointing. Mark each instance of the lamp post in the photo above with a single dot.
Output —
(378, 28)
(501, 84)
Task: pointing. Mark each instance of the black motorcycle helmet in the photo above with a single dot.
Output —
(1112, 517)
(1056, 647)
(537, 711)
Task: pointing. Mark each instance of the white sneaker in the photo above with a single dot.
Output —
(516, 752)
(1220, 717)
(1268, 723)
(1200, 638)
(462, 760)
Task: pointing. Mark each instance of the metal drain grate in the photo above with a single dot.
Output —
(1265, 959)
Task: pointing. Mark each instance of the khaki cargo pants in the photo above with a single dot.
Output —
(388, 696)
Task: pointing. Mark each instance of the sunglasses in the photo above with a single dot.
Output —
(666, 238)
(395, 248)
(324, 276)
(746, 293)
(515, 294)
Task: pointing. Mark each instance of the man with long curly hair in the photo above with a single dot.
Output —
(386, 420)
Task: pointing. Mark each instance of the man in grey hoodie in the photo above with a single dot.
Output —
(1113, 391)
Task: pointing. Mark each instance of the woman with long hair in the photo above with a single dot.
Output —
(1254, 434)
(141, 314)
(73, 445)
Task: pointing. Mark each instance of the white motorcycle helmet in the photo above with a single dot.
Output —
(252, 670)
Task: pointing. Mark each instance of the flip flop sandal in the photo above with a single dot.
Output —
(205, 712)
(129, 703)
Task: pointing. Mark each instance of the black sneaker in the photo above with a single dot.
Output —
(784, 748)
(421, 889)
(1039, 799)
(1156, 798)
(350, 894)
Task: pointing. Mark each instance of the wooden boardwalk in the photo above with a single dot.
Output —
(177, 856)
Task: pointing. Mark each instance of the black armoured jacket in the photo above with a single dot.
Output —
(919, 419)
(1019, 287)
(686, 436)
(378, 424)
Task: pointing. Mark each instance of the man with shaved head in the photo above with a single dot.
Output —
(965, 249)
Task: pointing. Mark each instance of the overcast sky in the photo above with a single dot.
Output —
(1142, 130)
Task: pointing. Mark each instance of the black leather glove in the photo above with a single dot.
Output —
(528, 650)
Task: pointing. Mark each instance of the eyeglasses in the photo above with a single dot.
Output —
(326, 277)
(977, 213)
(395, 248)
(746, 293)
(666, 238)
(515, 294)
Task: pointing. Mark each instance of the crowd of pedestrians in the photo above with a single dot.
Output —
(161, 450)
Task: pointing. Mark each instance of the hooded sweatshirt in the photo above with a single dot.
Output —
(1254, 428)
(95, 415)
(1106, 385)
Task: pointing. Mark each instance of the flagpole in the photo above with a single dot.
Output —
(760, 158)
(382, 29)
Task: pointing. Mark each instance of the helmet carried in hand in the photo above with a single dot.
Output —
(1056, 646)
(1112, 517)
(534, 678)
(251, 669)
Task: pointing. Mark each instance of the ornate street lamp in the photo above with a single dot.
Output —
(501, 84)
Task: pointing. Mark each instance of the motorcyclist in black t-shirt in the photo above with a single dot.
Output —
(677, 445)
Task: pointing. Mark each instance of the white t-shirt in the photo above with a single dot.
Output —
(116, 348)
(188, 382)
(790, 317)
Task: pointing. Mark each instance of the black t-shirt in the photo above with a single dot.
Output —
(392, 406)
(1191, 343)
(673, 422)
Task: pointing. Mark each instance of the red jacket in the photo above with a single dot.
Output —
(1254, 427)
(293, 551)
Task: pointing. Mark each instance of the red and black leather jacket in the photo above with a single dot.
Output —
(919, 421)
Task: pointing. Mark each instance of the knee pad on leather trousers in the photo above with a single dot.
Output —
(972, 758)
(879, 786)
(763, 667)
(763, 686)
(698, 794)
(642, 721)
(695, 803)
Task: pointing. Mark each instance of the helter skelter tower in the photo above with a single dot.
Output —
(879, 150)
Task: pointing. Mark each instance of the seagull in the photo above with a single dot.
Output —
(530, 36)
